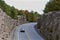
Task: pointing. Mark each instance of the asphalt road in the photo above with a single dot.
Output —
(29, 34)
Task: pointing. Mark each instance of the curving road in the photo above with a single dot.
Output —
(29, 34)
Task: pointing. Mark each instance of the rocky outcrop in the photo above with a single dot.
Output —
(7, 24)
(49, 25)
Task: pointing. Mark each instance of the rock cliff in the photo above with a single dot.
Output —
(7, 24)
(49, 25)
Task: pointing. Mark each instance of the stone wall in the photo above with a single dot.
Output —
(7, 24)
(49, 25)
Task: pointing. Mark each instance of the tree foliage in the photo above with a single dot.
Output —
(14, 13)
(52, 5)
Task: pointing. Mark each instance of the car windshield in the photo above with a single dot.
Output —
(22, 28)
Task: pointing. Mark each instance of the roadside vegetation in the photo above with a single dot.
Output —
(14, 12)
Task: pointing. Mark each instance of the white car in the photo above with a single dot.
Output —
(22, 30)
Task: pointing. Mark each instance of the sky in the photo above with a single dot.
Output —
(30, 5)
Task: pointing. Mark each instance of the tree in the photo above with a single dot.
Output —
(35, 16)
(52, 5)
(27, 14)
(20, 12)
(13, 13)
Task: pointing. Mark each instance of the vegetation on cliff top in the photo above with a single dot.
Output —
(14, 13)
(52, 5)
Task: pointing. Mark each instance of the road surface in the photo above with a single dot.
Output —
(29, 34)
